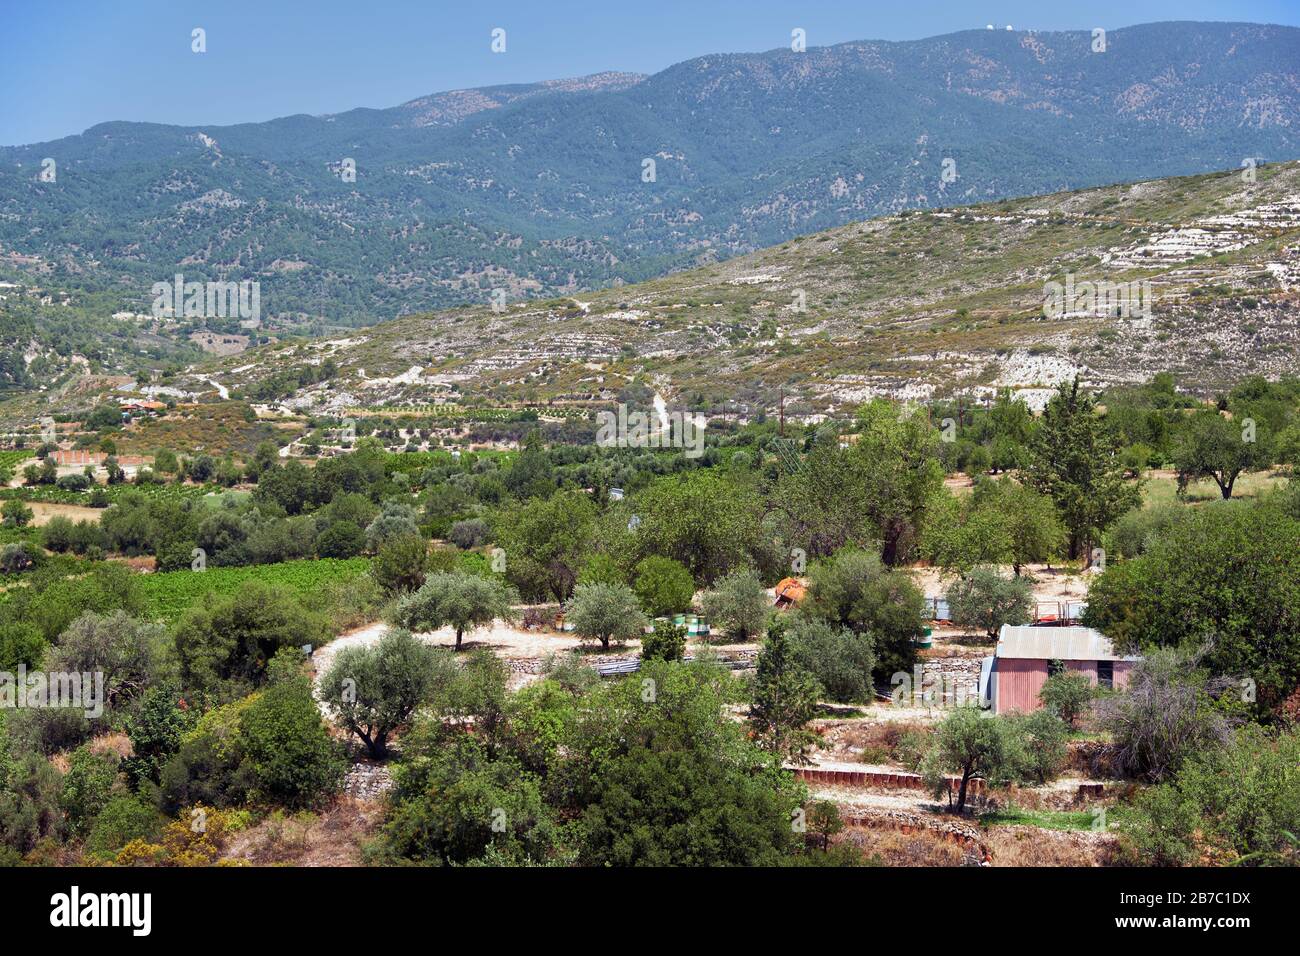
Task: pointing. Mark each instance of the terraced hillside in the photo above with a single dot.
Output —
(913, 305)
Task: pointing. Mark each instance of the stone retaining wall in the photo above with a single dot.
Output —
(881, 779)
(947, 829)
(536, 665)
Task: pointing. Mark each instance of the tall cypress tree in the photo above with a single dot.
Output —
(1076, 463)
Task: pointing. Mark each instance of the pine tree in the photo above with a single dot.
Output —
(1076, 463)
(785, 699)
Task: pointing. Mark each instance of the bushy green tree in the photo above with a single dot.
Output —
(29, 806)
(469, 533)
(853, 588)
(455, 802)
(234, 637)
(87, 786)
(986, 600)
(16, 514)
(875, 492)
(210, 767)
(294, 761)
(737, 606)
(784, 699)
(839, 659)
(702, 519)
(667, 642)
(155, 731)
(463, 602)
(971, 744)
(605, 612)
(1043, 743)
(53, 599)
(545, 540)
(1211, 446)
(1029, 518)
(959, 534)
(130, 653)
(530, 475)
(1238, 804)
(824, 822)
(1075, 461)
(397, 519)
(600, 568)
(663, 585)
(342, 539)
(1068, 695)
(658, 774)
(373, 691)
(1228, 573)
(123, 819)
(402, 564)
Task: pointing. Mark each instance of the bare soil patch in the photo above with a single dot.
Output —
(43, 511)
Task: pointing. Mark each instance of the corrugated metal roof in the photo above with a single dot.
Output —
(1056, 643)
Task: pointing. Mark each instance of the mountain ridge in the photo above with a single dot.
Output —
(537, 189)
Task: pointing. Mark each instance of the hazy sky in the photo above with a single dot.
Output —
(69, 64)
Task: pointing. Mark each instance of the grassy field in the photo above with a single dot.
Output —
(1046, 819)
(1161, 488)
(169, 594)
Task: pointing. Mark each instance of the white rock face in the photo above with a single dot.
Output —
(1212, 235)
(1023, 369)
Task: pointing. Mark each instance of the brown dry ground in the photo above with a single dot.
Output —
(43, 511)
(1008, 846)
(333, 837)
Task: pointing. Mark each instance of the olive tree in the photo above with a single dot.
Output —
(373, 691)
(460, 601)
(971, 744)
(605, 612)
(986, 600)
(1068, 695)
(737, 606)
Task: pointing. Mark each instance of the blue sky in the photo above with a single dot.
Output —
(65, 66)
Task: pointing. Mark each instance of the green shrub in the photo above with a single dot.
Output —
(1068, 695)
(292, 758)
(841, 660)
(87, 786)
(737, 606)
(986, 600)
(667, 642)
(663, 586)
(122, 820)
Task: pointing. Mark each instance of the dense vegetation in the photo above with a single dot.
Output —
(682, 762)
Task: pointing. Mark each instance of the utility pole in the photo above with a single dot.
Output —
(781, 426)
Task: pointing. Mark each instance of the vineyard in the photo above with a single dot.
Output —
(170, 594)
(65, 496)
(12, 459)
(444, 413)
(414, 461)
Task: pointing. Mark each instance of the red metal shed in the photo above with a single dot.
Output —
(1022, 662)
